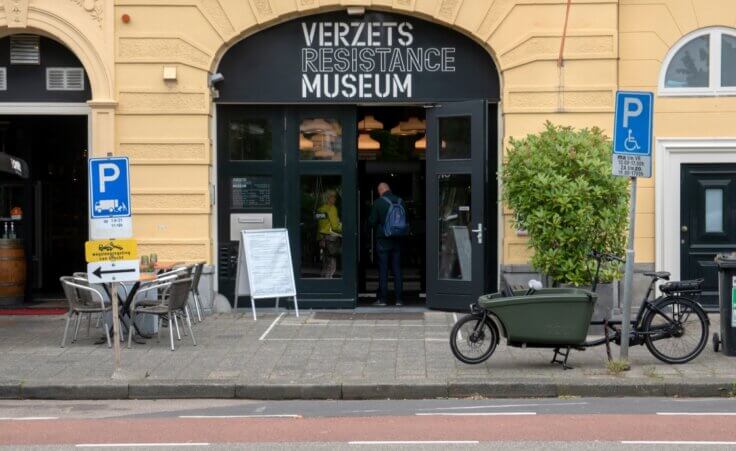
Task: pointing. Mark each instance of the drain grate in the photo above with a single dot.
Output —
(353, 316)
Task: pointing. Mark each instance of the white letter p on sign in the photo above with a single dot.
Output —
(108, 173)
(629, 112)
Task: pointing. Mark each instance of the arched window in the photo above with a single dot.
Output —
(702, 63)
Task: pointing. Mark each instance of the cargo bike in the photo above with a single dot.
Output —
(673, 327)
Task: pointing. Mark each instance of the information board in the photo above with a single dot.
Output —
(251, 192)
(265, 269)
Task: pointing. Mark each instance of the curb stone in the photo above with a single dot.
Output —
(73, 390)
(171, 389)
(9, 390)
(288, 391)
(361, 390)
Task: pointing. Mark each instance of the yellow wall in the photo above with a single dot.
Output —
(648, 29)
(164, 127)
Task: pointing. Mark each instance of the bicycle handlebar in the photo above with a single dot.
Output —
(605, 256)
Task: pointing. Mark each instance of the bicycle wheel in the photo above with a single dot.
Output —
(677, 331)
(473, 340)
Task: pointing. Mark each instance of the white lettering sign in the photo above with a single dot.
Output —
(371, 60)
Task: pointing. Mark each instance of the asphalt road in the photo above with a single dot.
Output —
(570, 423)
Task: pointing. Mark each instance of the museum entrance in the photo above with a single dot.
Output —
(314, 113)
(391, 149)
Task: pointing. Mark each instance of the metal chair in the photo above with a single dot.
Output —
(83, 299)
(174, 304)
(196, 276)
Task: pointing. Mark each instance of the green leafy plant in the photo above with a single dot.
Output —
(559, 184)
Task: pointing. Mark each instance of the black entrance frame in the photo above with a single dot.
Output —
(265, 69)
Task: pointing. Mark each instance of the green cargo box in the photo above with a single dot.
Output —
(550, 316)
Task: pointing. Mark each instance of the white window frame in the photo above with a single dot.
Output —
(714, 65)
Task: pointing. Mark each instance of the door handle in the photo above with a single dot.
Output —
(683, 229)
(479, 232)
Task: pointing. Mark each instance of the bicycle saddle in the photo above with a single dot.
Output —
(683, 286)
(658, 274)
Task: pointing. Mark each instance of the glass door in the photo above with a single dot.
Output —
(456, 233)
(321, 203)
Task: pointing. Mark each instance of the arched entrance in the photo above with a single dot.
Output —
(313, 113)
(44, 120)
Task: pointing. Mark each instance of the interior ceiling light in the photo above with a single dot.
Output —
(305, 143)
(317, 126)
(401, 132)
(421, 144)
(414, 124)
(369, 123)
(365, 142)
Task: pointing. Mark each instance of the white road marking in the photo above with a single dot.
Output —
(27, 418)
(415, 442)
(471, 414)
(698, 414)
(271, 326)
(242, 416)
(675, 442)
(503, 406)
(135, 445)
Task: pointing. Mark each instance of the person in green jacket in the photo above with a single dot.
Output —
(388, 249)
(329, 230)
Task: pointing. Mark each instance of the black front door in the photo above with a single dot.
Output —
(707, 222)
(456, 220)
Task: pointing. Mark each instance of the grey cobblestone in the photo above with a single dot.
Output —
(326, 359)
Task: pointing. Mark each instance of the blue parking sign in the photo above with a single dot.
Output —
(109, 188)
(632, 134)
(633, 130)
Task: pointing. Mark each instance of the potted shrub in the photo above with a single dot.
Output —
(560, 186)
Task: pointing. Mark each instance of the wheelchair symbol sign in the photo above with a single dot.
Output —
(633, 123)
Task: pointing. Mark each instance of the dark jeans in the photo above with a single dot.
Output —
(389, 252)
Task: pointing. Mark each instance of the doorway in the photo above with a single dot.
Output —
(391, 149)
(52, 201)
(708, 223)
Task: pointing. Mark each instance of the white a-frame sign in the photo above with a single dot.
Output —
(265, 270)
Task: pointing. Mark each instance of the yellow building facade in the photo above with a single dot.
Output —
(150, 64)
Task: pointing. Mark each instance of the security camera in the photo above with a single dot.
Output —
(216, 78)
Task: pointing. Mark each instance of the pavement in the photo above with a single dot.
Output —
(389, 354)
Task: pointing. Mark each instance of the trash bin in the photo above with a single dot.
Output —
(727, 301)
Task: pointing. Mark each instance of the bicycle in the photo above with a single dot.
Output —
(673, 327)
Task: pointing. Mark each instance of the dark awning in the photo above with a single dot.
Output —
(13, 165)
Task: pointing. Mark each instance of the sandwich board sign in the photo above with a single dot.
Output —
(632, 134)
(265, 269)
(109, 198)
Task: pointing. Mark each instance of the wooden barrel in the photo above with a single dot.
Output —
(12, 272)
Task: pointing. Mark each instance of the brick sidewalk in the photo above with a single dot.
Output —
(326, 355)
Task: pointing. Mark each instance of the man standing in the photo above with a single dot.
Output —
(386, 218)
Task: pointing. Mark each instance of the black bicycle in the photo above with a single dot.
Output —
(673, 326)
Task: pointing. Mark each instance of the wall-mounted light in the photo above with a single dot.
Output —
(170, 73)
(356, 10)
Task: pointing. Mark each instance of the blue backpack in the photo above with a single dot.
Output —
(395, 223)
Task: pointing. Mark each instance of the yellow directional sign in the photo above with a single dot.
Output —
(110, 250)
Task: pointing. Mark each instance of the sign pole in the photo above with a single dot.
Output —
(628, 276)
(115, 324)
